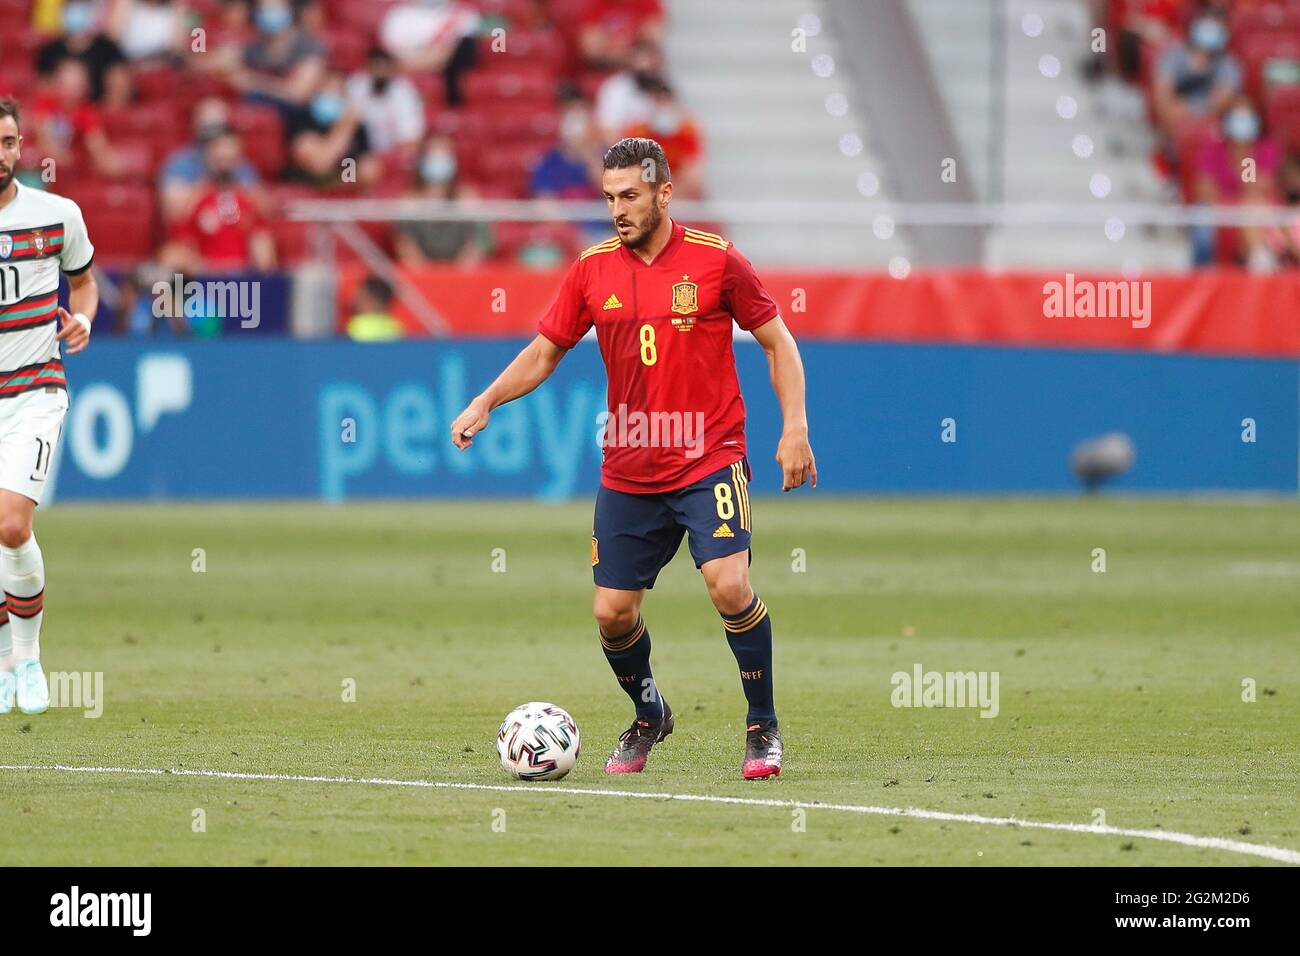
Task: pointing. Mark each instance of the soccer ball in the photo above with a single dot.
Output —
(538, 741)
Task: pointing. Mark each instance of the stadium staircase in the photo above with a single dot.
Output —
(768, 134)
(1039, 161)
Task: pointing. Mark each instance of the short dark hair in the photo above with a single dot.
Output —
(636, 151)
(9, 107)
(377, 287)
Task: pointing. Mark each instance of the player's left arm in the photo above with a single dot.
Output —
(793, 453)
(83, 297)
(75, 260)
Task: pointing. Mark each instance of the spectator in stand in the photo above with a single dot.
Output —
(372, 313)
(390, 106)
(423, 242)
(609, 29)
(571, 169)
(1199, 78)
(284, 65)
(1286, 240)
(225, 231)
(624, 99)
(82, 39)
(150, 30)
(68, 126)
(134, 314)
(326, 133)
(433, 36)
(225, 38)
(185, 175)
(1227, 179)
(1133, 23)
(671, 127)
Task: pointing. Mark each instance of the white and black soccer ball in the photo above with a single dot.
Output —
(538, 741)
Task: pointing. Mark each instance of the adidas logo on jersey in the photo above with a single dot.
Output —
(724, 531)
(612, 303)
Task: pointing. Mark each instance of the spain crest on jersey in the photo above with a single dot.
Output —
(685, 297)
(6, 246)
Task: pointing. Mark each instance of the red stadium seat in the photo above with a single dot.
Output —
(158, 119)
(525, 122)
(120, 219)
(520, 85)
(431, 88)
(139, 158)
(262, 132)
(348, 49)
(361, 17)
(542, 48)
(1192, 136)
(1284, 116)
(1257, 50)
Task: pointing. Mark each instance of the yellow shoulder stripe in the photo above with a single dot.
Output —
(707, 236)
(706, 242)
(609, 245)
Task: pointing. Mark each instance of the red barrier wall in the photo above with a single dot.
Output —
(1217, 312)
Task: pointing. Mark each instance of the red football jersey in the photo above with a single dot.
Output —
(664, 330)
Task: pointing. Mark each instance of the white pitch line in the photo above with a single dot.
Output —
(1168, 836)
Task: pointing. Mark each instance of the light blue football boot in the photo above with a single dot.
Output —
(33, 691)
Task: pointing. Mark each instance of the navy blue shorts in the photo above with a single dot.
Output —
(635, 536)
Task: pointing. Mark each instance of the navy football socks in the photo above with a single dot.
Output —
(629, 657)
(750, 635)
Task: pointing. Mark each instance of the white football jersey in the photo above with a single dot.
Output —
(40, 234)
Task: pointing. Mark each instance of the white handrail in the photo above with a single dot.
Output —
(823, 213)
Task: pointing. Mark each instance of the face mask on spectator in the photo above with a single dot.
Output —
(326, 108)
(438, 167)
(665, 120)
(273, 19)
(573, 127)
(78, 17)
(1242, 125)
(1209, 34)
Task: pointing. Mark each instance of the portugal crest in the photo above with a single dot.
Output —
(685, 297)
(6, 245)
(38, 241)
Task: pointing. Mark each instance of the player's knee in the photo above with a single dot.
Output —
(614, 617)
(15, 529)
(730, 591)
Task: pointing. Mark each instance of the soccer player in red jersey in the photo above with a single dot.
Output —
(662, 298)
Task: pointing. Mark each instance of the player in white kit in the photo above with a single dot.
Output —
(40, 235)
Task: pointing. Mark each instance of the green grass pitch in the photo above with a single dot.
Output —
(1119, 691)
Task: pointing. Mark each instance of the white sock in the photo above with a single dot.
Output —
(6, 646)
(23, 576)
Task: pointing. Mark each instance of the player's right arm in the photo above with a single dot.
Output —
(529, 369)
(559, 330)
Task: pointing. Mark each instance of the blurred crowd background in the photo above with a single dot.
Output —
(1221, 84)
(183, 127)
(187, 128)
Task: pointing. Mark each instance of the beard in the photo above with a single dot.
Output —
(639, 237)
(6, 177)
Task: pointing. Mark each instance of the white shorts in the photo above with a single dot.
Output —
(30, 425)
